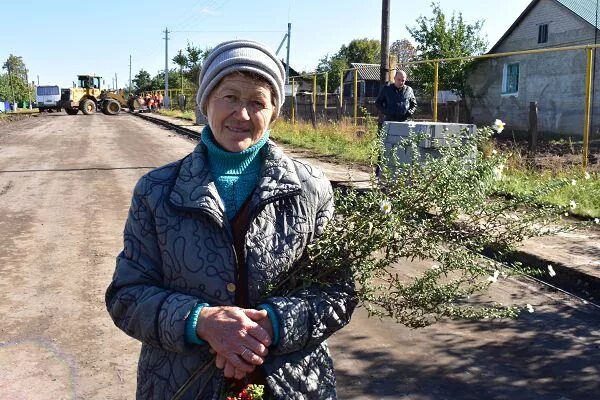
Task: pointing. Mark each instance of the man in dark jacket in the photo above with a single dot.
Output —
(396, 101)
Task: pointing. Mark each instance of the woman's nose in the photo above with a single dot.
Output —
(241, 111)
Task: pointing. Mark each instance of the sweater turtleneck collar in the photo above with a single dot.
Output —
(231, 163)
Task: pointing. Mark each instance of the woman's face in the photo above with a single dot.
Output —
(239, 111)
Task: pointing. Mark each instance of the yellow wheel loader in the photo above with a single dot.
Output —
(87, 96)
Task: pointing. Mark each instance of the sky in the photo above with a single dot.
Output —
(63, 38)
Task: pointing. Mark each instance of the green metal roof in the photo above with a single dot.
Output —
(367, 72)
(586, 9)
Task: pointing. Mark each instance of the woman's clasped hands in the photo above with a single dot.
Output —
(240, 337)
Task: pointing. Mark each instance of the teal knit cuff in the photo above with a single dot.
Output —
(192, 322)
(274, 321)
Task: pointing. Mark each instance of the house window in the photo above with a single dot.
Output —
(543, 33)
(510, 79)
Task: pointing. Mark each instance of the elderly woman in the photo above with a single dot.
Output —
(209, 236)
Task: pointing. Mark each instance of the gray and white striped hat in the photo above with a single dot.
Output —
(240, 55)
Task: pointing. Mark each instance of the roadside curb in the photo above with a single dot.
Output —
(567, 278)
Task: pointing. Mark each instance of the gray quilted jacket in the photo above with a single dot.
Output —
(178, 252)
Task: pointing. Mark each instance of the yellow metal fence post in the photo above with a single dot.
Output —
(588, 101)
(355, 96)
(314, 94)
(293, 103)
(342, 93)
(435, 90)
(326, 78)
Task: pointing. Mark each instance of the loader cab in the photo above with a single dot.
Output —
(88, 82)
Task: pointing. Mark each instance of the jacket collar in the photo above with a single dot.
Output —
(194, 187)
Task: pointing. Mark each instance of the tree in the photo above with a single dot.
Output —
(334, 66)
(13, 84)
(142, 81)
(362, 51)
(437, 37)
(358, 51)
(181, 60)
(403, 50)
(15, 66)
(175, 81)
(195, 56)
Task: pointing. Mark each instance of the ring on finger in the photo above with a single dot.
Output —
(244, 351)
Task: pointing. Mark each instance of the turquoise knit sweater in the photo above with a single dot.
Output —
(235, 174)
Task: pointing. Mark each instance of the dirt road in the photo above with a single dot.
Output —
(65, 185)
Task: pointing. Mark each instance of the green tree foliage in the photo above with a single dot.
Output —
(195, 56)
(13, 83)
(158, 81)
(181, 60)
(15, 66)
(357, 51)
(439, 37)
(142, 81)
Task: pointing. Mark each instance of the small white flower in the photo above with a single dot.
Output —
(573, 182)
(566, 214)
(597, 220)
(385, 206)
(435, 266)
(494, 152)
(587, 175)
(494, 277)
(498, 126)
(529, 307)
(551, 270)
(572, 204)
(412, 124)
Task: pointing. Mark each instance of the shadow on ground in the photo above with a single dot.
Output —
(544, 355)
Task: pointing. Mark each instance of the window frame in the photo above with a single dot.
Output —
(542, 33)
(508, 79)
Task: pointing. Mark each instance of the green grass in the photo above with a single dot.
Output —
(189, 115)
(342, 141)
(584, 192)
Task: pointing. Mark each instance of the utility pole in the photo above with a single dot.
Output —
(287, 62)
(130, 74)
(166, 97)
(385, 41)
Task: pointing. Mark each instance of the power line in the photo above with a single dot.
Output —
(234, 31)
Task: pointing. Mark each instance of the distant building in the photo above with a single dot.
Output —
(368, 80)
(301, 83)
(504, 87)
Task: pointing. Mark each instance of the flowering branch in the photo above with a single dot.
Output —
(440, 209)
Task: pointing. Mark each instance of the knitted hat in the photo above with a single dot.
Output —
(240, 55)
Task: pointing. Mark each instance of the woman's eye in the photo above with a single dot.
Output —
(230, 98)
(259, 105)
